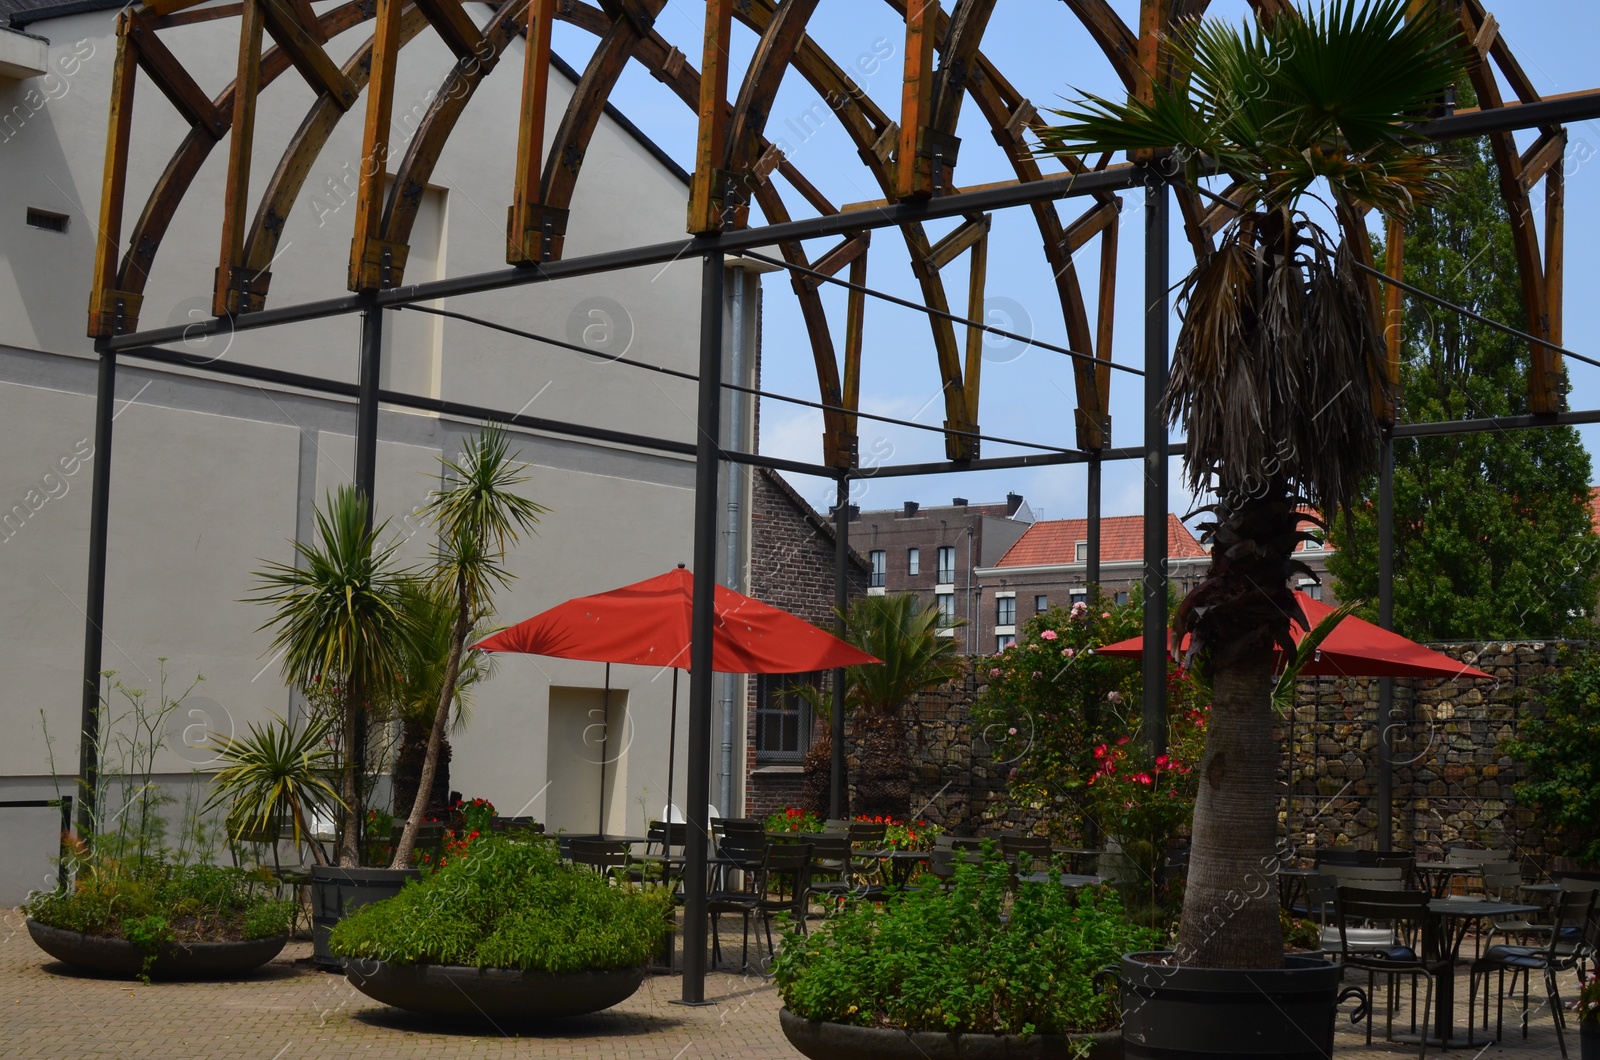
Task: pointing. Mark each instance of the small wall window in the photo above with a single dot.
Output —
(1005, 611)
(947, 564)
(47, 220)
(1122, 597)
(947, 609)
(1004, 641)
(783, 718)
(1041, 604)
(1080, 596)
(880, 563)
(913, 561)
(1081, 553)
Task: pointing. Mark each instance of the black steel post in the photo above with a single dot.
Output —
(838, 787)
(1091, 569)
(370, 373)
(1156, 205)
(1386, 620)
(707, 471)
(94, 605)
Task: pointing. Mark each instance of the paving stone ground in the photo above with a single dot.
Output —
(289, 1011)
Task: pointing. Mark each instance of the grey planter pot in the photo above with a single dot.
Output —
(336, 893)
(1175, 1012)
(1589, 1040)
(840, 1041)
(174, 961)
(495, 993)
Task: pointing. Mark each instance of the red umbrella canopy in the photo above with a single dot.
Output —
(647, 623)
(1354, 649)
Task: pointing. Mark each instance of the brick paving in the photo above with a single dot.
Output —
(290, 1011)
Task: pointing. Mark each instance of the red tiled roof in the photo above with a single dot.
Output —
(1121, 539)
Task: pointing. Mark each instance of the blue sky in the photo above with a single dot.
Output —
(1028, 393)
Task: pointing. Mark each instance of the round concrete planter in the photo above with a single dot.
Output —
(840, 1041)
(173, 960)
(495, 993)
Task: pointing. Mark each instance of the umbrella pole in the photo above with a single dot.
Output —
(672, 747)
(605, 745)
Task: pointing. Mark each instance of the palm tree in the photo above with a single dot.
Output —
(1278, 365)
(476, 517)
(337, 620)
(275, 775)
(419, 687)
(906, 636)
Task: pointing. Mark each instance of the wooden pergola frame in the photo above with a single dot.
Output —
(912, 156)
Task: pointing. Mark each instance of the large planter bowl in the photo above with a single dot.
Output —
(173, 960)
(495, 993)
(336, 893)
(840, 1041)
(1173, 1012)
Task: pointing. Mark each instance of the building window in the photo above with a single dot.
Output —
(1311, 589)
(947, 609)
(1081, 555)
(47, 220)
(947, 565)
(880, 563)
(913, 561)
(1041, 604)
(1080, 596)
(783, 717)
(1004, 641)
(1122, 597)
(1005, 611)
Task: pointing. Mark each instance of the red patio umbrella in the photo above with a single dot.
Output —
(647, 624)
(1355, 648)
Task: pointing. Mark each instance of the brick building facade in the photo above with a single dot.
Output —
(792, 567)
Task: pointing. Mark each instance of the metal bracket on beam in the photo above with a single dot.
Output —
(542, 237)
(246, 290)
(841, 449)
(382, 264)
(114, 313)
(1092, 436)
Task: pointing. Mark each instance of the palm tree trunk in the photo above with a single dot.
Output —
(430, 764)
(884, 785)
(349, 852)
(1230, 907)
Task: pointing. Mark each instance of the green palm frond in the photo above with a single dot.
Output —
(337, 615)
(1306, 650)
(478, 514)
(897, 629)
(423, 669)
(1327, 95)
(274, 775)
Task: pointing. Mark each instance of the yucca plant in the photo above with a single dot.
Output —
(477, 516)
(1278, 362)
(337, 619)
(275, 775)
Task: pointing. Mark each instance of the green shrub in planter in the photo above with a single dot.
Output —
(510, 903)
(971, 959)
(156, 901)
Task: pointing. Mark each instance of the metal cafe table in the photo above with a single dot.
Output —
(1447, 926)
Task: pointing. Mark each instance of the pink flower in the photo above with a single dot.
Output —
(1079, 608)
(1144, 778)
(1121, 740)
(1100, 752)
(1114, 697)
(1161, 761)
(994, 671)
(1105, 614)
(1048, 634)
(1011, 732)
(1068, 652)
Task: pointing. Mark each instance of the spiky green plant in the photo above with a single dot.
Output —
(1278, 375)
(477, 516)
(336, 617)
(273, 775)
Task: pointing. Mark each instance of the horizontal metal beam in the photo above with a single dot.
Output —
(1559, 110)
(278, 377)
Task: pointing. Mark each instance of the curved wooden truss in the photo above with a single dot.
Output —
(911, 155)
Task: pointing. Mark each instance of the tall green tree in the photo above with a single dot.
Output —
(1493, 533)
(338, 620)
(1276, 366)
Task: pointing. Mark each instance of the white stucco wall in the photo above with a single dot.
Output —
(213, 477)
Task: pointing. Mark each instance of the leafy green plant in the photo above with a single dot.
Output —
(938, 960)
(164, 902)
(793, 819)
(1298, 933)
(275, 776)
(510, 903)
(1560, 756)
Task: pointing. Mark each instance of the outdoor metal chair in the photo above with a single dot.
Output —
(1035, 847)
(868, 833)
(836, 872)
(778, 883)
(601, 855)
(958, 842)
(1346, 856)
(1571, 935)
(1405, 913)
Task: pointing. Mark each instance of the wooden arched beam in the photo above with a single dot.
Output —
(168, 194)
(767, 67)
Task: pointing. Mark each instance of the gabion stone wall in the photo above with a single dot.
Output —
(1452, 779)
